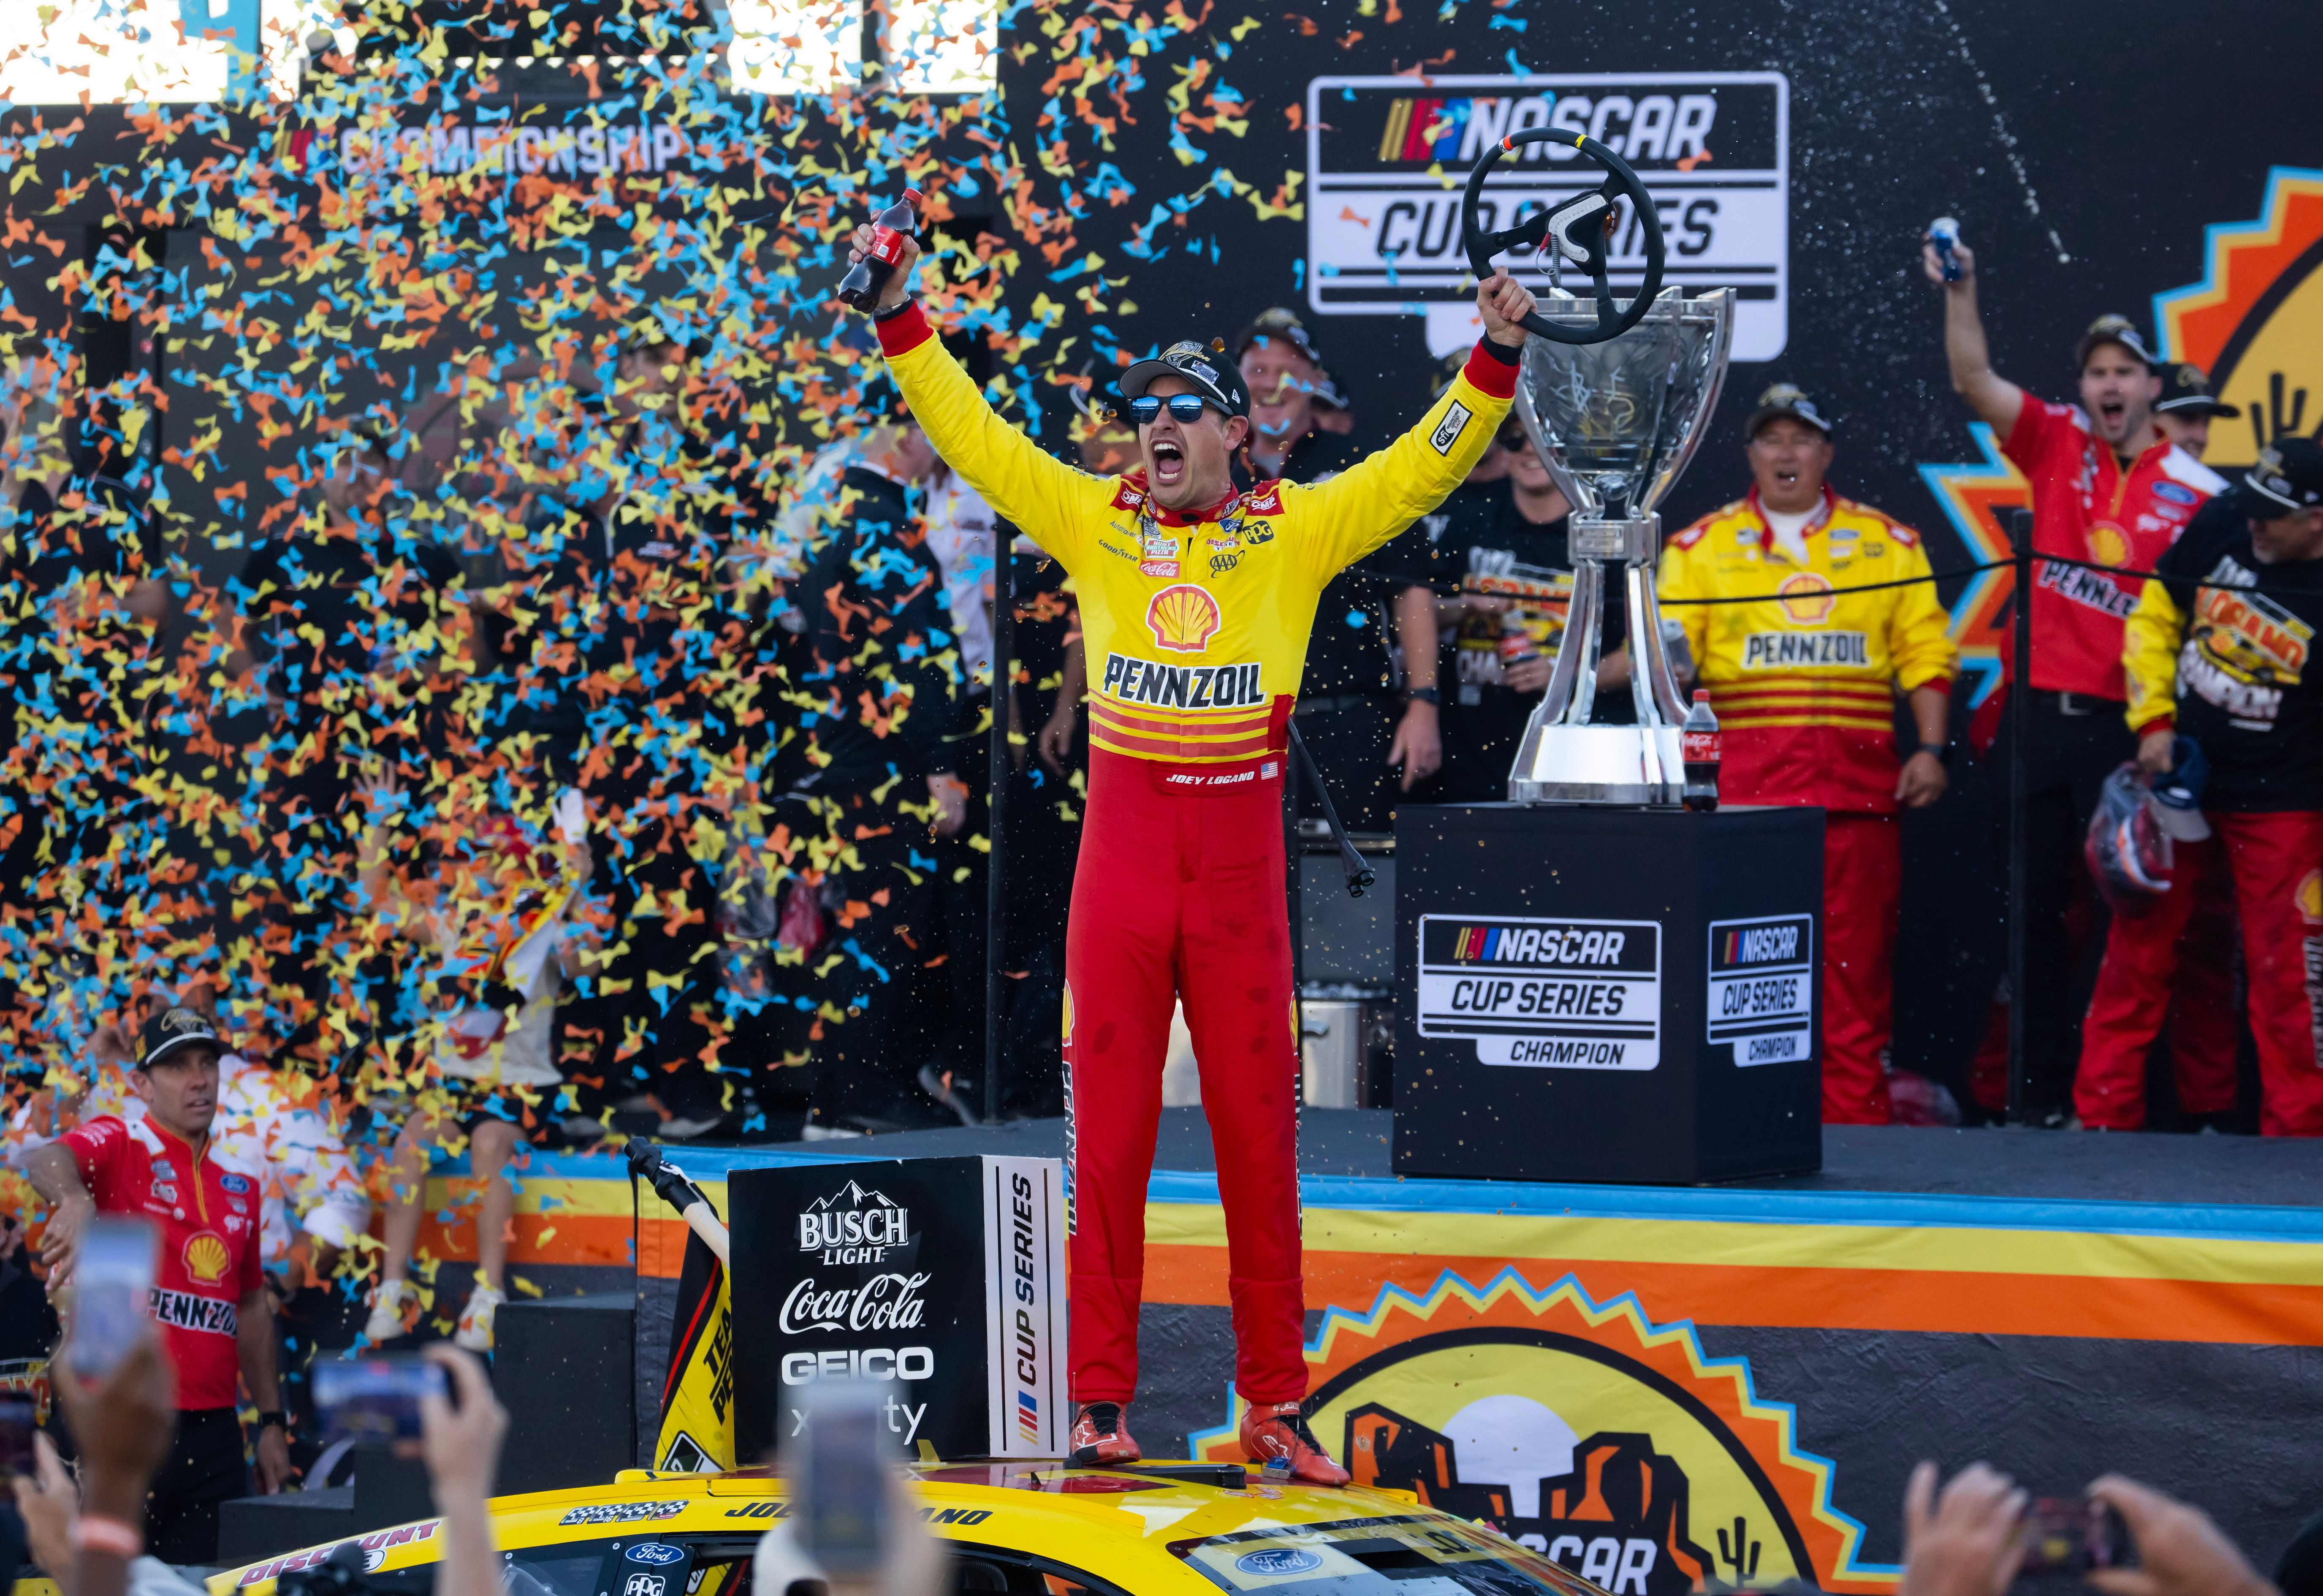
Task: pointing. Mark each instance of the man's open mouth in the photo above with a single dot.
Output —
(1168, 463)
(2111, 411)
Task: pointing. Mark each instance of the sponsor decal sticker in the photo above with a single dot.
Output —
(655, 1553)
(1457, 417)
(1182, 687)
(1183, 619)
(235, 1183)
(624, 1512)
(206, 1257)
(1762, 987)
(1544, 994)
(1275, 1562)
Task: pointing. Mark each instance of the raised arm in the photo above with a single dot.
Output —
(1359, 509)
(1994, 397)
(1049, 499)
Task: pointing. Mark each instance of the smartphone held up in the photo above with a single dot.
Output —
(375, 1398)
(112, 1294)
(838, 1466)
(2072, 1535)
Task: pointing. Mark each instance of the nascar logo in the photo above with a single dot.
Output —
(1512, 944)
(1759, 944)
(1675, 128)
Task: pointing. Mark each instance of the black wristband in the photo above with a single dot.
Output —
(1424, 695)
(278, 1419)
(1943, 752)
(893, 311)
(1501, 352)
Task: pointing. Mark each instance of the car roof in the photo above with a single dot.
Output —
(1117, 1523)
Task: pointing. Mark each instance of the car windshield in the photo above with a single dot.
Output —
(1399, 1557)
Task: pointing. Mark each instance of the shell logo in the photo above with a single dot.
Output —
(1808, 598)
(2108, 544)
(1183, 619)
(206, 1258)
(2310, 897)
(1067, 1014)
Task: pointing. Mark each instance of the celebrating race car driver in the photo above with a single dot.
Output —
(1195, 606)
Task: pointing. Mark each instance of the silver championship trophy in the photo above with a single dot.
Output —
(1615, 399)
(1616, 422)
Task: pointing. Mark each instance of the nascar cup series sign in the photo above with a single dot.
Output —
(940, 1277)
(1386, 159)
(1548, 994)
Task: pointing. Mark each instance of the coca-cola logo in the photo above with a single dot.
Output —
(853, 1225)
(889, 1301)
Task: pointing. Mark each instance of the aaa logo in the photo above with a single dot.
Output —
(1183, 618)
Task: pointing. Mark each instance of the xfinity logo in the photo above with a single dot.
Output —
(859, 1235)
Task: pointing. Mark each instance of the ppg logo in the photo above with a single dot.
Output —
(644, 1584)
(659, 1553)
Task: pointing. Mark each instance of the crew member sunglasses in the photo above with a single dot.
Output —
(1186, 407)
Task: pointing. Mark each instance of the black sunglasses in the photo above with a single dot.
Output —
(1183, 406)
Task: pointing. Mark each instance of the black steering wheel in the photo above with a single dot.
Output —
(1577, 229)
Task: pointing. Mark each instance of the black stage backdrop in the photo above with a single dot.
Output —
(2084, 149)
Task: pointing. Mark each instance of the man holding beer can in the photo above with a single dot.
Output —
(1803, 686)
(1197, 602)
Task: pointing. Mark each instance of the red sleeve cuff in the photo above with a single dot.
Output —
(907, 330)
(2159, 723)
(1490, 373)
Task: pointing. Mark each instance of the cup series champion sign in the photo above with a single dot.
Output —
(943, 1278)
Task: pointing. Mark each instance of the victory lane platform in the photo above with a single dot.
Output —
(1776, 1354)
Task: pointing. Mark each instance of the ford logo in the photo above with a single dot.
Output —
(660, 1553)
(1278, 1560)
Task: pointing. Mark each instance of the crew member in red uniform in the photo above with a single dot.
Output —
(1196, 602)
(2109, 489)
(207, 1292)
(2221, 653)
(1804, 690)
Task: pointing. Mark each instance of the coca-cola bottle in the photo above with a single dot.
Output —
(1698, 746)
(861, 287)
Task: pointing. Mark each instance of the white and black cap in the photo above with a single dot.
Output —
(2289, 476)
(2114, 329)
(1204, 365)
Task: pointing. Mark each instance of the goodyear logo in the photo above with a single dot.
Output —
(1181, 687)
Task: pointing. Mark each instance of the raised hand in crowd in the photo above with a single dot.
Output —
(2180, 1551)
(122, 1425)
(1967, 1540)
(907, 266)
(461, 1447)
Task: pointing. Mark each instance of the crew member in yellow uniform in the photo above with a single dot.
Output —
(1805, 691)
(1196, 605)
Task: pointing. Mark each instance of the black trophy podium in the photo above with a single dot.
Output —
(1608, 994)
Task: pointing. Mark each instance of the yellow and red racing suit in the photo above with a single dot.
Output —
(1803, 686)
(1196, 628)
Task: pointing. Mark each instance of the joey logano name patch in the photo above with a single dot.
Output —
(1776, 651)
(1138, 680)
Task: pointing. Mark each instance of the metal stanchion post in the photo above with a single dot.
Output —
(995, 811)
(2020, 538)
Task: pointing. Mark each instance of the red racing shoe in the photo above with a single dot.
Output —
(1275, 1430)
(1100, 1437)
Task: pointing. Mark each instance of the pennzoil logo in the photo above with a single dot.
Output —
(1807, 598)
(1183, 618)
(1136, 681)
(1583, 1431)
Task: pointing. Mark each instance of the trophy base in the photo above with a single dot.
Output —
(1618, 764)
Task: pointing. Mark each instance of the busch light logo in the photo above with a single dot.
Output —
(853, 1226)
(659, 1553)
(1276, 1562)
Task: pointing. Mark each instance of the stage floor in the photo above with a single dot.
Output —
(2036, 1165)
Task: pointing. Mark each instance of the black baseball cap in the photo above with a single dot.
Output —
(2114, 329)
(172, 1029)
(2288, 477)
(1205, 366)
(1786, 399)
(1278, 322)
(2186, 391)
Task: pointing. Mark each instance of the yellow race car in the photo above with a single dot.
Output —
(1012, 1528)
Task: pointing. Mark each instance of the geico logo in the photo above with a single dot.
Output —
(874, 1227)
(869, 1362)
(884, 1302)
(1778, 650)
(1181, 687)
